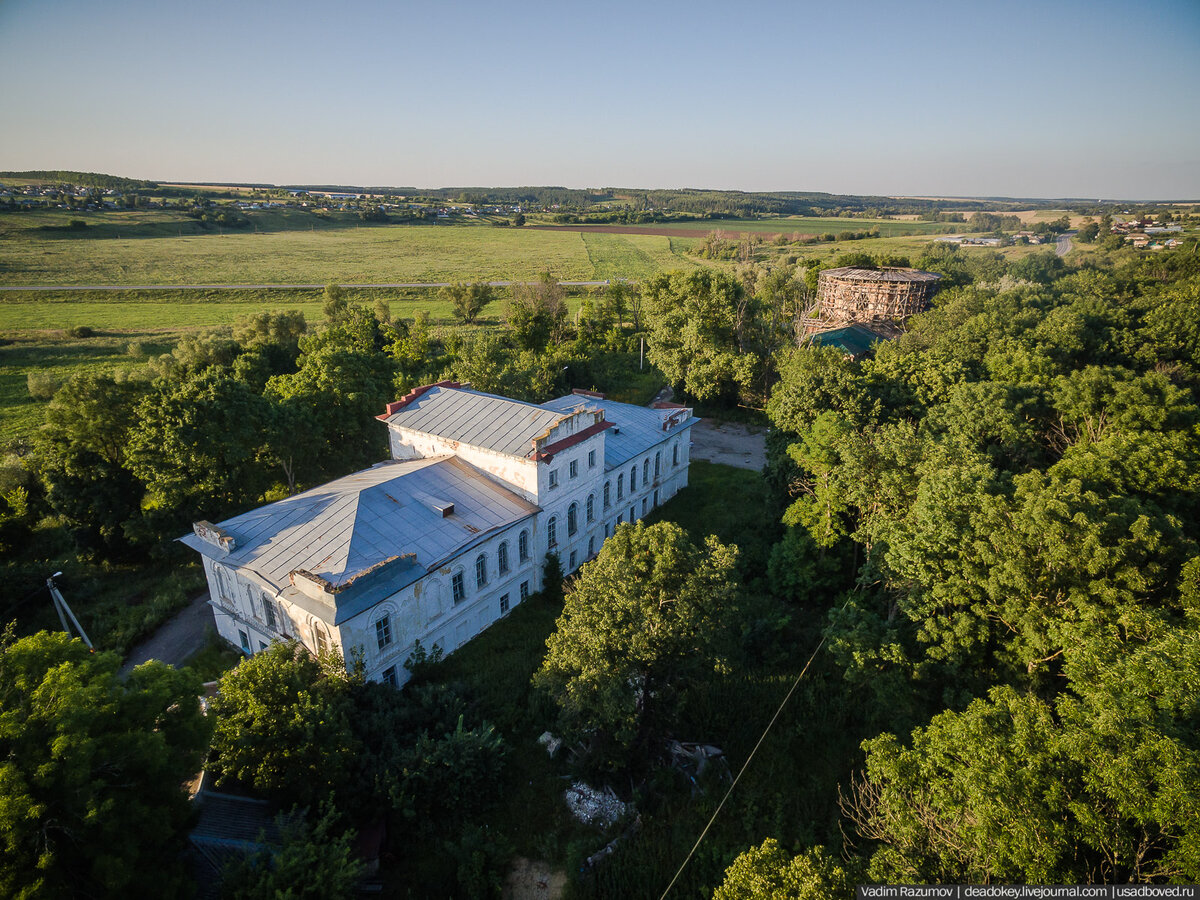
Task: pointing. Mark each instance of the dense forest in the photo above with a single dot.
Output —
(969, 574)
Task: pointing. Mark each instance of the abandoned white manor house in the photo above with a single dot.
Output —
(446, 537)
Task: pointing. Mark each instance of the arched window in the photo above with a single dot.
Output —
(620, 487)
(456, 587)
(633, 478)
(552, 532)
(320, 638)
(481, 570)
(254, 611)
(607, 494)
(591, 507)
(223, 584)
(268, 606)
(646, 471)
(572, 519)
(523, 547)
(657, 463)
(502, 557)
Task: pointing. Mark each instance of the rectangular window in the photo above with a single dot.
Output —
(591, 459)
(646, 471)
(503, 604)
(456, 585)
(502, 558)
(554, 478)
(675, 455)
(645, 504)
(572, 566)
(383, 631)
(656, 497)
(607, 494)
(523, 546)
(389, 676)
(591, 547)
(606, 529)
(574, 468)
(524, 590)
(632, 514)
(245, 640)
(262, 646)
(633, 479)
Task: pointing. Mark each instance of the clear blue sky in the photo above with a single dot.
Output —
(1048, 99)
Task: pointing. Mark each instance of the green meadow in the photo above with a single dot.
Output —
(140, 248)
(295, 246)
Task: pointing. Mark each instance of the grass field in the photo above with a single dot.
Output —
(808, 225)
(160, 247)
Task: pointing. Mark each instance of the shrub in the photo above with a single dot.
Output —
(82, 331)
(42, 385)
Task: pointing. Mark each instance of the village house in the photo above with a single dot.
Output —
(448, 535)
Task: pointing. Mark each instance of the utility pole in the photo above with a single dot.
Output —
(64, 611)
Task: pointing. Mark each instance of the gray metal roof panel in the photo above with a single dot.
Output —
(636, 428)
(342, 528)
(478, 419)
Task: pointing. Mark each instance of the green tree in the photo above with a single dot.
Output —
(335, 304)
(314, 861)
(197, 444)
(284, 725)
(469, 300)
(537, 313)
(648, 614)
(703, 333)
(767, 872)
(91, 767)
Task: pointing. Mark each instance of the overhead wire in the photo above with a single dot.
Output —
(742, 771)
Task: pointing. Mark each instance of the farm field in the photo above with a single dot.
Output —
(785, 225)
(370, 254)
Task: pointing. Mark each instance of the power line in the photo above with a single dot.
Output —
(742, 771)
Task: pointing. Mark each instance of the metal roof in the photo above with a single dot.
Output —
(635, 428)
(853, 339)
(341, 529)
(478, 419)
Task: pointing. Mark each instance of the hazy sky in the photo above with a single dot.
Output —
(1049, 99)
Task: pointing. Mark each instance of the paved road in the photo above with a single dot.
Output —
(176, 641)
(1063, 245)
(240, 287)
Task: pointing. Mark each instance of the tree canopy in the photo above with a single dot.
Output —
(92, 768)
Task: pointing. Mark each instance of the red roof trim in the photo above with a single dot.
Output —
(587, 393)
(663, 404)
(547, 453)
(397, 405)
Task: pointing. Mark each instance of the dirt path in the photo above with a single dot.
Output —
(532, 879)
(730, 444)
(176, 641)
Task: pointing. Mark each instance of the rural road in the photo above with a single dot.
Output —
(1062, 246)
(239, 287)
(176, 641)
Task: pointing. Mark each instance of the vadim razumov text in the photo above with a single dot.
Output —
(1024, 891)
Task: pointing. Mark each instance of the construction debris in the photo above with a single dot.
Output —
(593, 807)
(551, 743)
